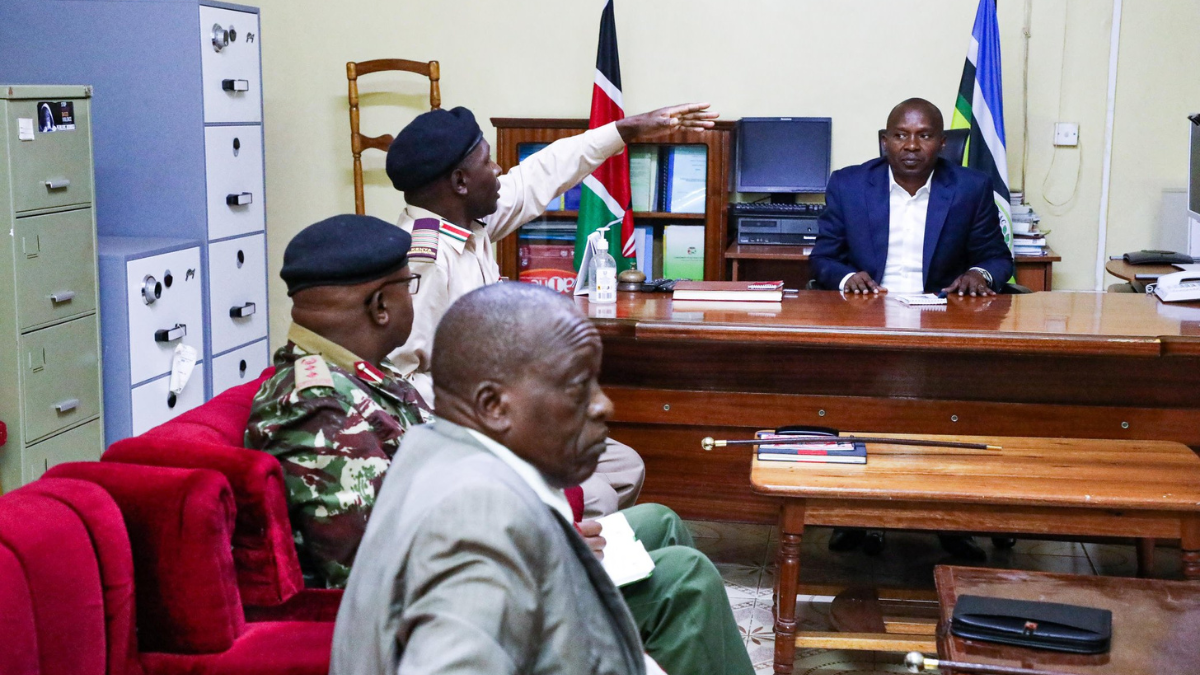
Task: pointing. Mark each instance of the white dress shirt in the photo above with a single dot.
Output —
(552, 497)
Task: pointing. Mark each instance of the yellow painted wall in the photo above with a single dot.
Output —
(846, 59)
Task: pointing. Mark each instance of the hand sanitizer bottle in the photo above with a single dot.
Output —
(603, 271)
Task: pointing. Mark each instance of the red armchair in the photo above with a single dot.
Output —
(77, 599)
(190, 621)
(210, 437)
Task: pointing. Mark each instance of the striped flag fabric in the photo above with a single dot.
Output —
(605, 197)
(980, 107)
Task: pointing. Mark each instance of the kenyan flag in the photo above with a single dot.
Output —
(605, 197)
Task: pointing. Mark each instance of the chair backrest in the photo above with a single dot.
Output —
(268, 571)
(953, 151)
(179, 523)
(359, 141)
(66, 582)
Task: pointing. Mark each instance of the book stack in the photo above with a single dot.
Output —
(546, 254)
(669, 178)
(732, 296)
(1027, 238)
(833, 452)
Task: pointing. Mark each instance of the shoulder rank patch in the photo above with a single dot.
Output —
(312, 371)
(425, 239)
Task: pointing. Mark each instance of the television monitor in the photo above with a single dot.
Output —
(1194, 170)
(782, 154)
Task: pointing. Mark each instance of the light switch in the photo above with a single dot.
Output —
(1066, 134)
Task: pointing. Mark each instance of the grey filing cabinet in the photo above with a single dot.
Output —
(49, 330)
(177, 118)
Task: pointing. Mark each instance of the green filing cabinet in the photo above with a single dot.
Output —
(49, 328)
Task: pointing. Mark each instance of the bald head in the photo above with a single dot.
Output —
(912, 141)
(916, 104)
(521, 364)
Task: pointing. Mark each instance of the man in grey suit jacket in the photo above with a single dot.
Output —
(470, 562)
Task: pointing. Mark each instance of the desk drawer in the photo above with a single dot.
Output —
(55, 267)
(81, 444)
(233, 166)
(153, 402)
(232, 85)
(237, 291)
(60, 383)
(54, 169)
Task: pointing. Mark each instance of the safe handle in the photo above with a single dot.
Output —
(235, 85)
(62, 296)
(66, 406)
(171, 334)
(239, 199)
(58, 183)
(242, 311)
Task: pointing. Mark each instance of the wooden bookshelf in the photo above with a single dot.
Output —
(512, 132)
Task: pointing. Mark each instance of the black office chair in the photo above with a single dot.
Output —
(953, 151)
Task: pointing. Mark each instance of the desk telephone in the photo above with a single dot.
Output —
(1178, 287)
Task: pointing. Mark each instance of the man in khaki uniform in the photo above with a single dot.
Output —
(458, 204)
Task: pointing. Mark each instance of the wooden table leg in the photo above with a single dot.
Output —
(1145, 558)
(791, 529)
(1189, 544)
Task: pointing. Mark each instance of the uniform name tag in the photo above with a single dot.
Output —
(312, 371)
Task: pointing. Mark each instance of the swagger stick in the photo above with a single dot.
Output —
(708, 442)
(917, 663)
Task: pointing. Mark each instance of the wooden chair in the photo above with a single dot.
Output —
(359, 141)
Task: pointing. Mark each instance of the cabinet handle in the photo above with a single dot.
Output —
(239, 199)
(235, 85)
(63, 296)
(58, 183)
(242, 311)
(171, 334)
(67, 405)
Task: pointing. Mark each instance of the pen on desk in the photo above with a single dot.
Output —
(791, 291)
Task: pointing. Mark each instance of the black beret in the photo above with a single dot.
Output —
(431, 146)
(343, 251)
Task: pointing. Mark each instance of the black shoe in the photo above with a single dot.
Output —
(873, 545)
(846, 540)
(1004, 543)
(962, 547)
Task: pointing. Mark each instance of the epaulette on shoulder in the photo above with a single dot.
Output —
(425, 239)
(312, 371)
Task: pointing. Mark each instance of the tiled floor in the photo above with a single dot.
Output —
(745, 556)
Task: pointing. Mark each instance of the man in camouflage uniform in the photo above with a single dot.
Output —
(336, 409)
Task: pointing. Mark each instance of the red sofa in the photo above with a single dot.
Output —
(268, 571)
(210, 437)
(115, 570)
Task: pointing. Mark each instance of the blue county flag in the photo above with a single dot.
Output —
(605, 195)
(980, 107)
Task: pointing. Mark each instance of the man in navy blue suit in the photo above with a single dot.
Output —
(911, 222)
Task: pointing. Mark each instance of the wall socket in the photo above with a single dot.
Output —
(1066, 134)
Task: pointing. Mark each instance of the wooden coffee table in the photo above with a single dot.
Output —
(1156, 623)
(1042, 486)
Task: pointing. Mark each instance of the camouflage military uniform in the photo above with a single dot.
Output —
(334, 422)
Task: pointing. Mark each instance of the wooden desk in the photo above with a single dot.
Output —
(1077, 365)
(1123, 270)
(1156, 624)
(1074, 487)
(790, 263)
